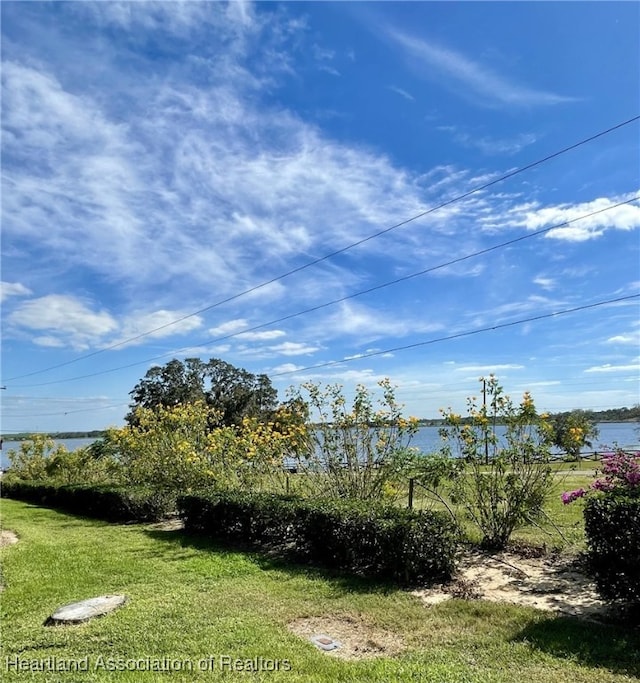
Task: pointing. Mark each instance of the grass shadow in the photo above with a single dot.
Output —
(615, 647)
(274, 559)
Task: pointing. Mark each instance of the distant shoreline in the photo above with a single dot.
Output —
(422, 422)
(23, 436)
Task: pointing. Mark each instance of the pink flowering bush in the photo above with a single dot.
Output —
(612, 528)
(621, 474)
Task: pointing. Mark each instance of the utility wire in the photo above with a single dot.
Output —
(372, 354)
(458, 335)
(451, 262)
(332, 254)
(426, 392)
(67, 412)
(419, 392)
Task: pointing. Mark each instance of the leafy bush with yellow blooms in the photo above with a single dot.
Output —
(507, 478)
(359, 451)
(41, 459)
(173, 448)
(572, 432)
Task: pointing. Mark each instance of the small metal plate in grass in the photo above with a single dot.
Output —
(77, 612)
(325, 642)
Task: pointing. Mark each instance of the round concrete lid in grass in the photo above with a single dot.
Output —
(77, 612)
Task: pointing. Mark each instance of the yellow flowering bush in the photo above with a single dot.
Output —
(360, 451)
(41, 459)
(167, 448)
(30, 461)
(507, 477)
(572, 432)
(174, 448)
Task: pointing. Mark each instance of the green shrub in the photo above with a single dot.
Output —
(370, 540)
(113, 504)
(357, 452)
(241, 518)
(380, 541)
(612, 525)
(39, 493)
(41, 459)
(507, 479)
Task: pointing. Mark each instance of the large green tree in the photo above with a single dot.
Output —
(232, 393)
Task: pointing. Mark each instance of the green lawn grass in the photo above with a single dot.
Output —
(190, 600)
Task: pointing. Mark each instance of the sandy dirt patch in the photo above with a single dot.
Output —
(552, 582)
(174, 524)
(358, 640)
(7, 538)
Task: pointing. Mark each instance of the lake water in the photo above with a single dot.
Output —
(623, 434)
(427, 439)
(70, 444)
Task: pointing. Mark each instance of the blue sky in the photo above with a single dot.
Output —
(174, 173)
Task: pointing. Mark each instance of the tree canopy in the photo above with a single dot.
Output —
(233, 393)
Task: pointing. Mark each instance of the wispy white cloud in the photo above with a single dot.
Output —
(72, 321)
(402, 93)
(265, 335)
(265, 351)
(178, 17)
(535, 217)
(467, 76)
(9, 289)
(229, 327)
(368, 352)
(66, 318)
(355, 319)
(217, 350)
(339, 374)
(488, 369)
(279, 187)
(162, 321)
(545, 282)
(329, 69)
(532, 303)
(325, 60)
(285, 368)
(608, 367)
(631, 338)
(294, 348)
(51, 342)
(490, 145)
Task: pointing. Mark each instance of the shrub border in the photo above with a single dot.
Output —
(383, 542)
(110, 503)
(612, 527)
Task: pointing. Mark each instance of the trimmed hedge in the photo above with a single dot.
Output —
(384, 542)
(612, 525)
(111, 503)
(254, 519)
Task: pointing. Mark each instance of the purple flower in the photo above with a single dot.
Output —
(633, 478)
(601, 485)
(621, 472)
(572, 495)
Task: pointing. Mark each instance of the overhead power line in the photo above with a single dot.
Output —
(342, 250)
(290, 316)
(67, 412)
(444, 391)
(458, 335)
